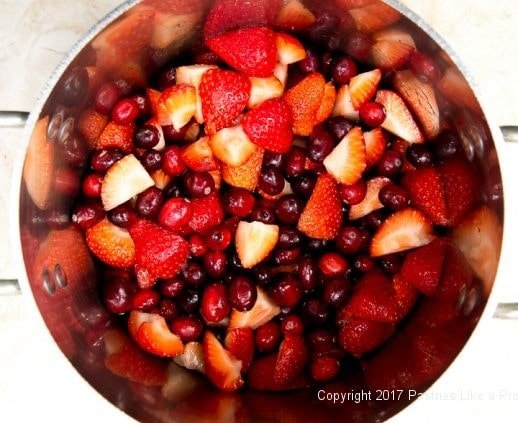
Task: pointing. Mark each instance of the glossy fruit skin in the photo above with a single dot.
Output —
(171, 288)
(199, 184)
(149, 202)
(92, 185)
(175, 214)
(343, 70)
(292, 324)
(288, 209)
(353, 194)
(193, 274)
(336, 291)
(321, 144)
(146, 136)
(102, 160)
(242, 293)
(332, 264)
(287, 292)
(117, 295)
(123, 216)
(271, 181)
(151, 160)
(394, 197)
(372, 114)
(188, 328)
(325, 368)
(214, 303)
(172, 162)
(349, 240)
(88, 214)
(267, 337)
(125, 111)
(339, 127)
(107, 96)
(239, 202)
(218, 238)
(390, 163)
(215, 263)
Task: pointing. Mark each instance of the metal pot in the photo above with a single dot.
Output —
(56, 269)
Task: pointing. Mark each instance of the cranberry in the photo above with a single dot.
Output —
(197, 246)
(295, 162)
(263, 214)
(92, 185)
(285, 257)
(419, 155)
(372, 114)
(199, 184)
(189, 300)
(218, 238)
(263, 275)
(267, 337)
(188, 328)
(106, 97)
(172, 135)
(102, 160)
(272, 159)
(149, 202)
(363, 264)
(231, 224)
(324, 368)
(322, 340)
(193, 274)
(271, 180)
(289, 237)
(288, 209)
(238, 202)
(125, 111)
(74, 87)
(339, 126)
(152, 160)
(117, 295)
(167, 78)
(175, 214)
(172, 162)
(167, 309)
(335, 292)
(214, 303)
(394, 197)
(206, 57)
(353, 194)
(308, 274)
(391, 264)
(315, 245)
(446, 145)
(75, 151)
(287, 292)
(349, 240)
(374, 219)
(292, 324)
(171, 288)
(242, 293)
(332, 265)
(142, 104)
(321, 144)
(123, 215)
(146, 136)
(358, 45)
(88, 214)
(390, 163)
(424, 66)
(310, 64)
(145, 300)
(343, 70)
(316, 311)
(215, 263)
(304, 184)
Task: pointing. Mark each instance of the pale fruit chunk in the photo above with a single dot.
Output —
(344, 104)
(281, 73)
(264, 89)
(180, 383)
(232, 146)
(192, 357)
(180, 103)
(371, 201)
(262, 312)
(289, 49)
(191, 75)
(254, 241)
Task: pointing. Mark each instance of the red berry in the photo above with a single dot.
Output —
(353, 194)
(267, 337)
(197, 246)
(287, 292)
(325, 368)
(292, 324)
(218, 238)
(172, 288)
(189, 329)
(88, 214)
(343, 70)
(106, 97)
(145, 300)
(242, 293)
(215, 263)
(372, 114)
(92, 185)
(333, 264)
(172, 162)
(125, 111)
(175, 214)
(239, 202)
(214, 303)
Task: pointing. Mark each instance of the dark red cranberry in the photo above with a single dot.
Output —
(363, 263)
(75, 151)
(188, 328)
(125, 111)
(316, 311)
(193, 274)
(167, 309)
(339, 126)
(287, 292)
(424, 66)
(308, 274)
(358, 45)
(242, 293)
(123, 215)
(272, 159)
(419, 155)
(353, 194)
(215, 263)
(446, 145)
(332, 265)
(374, 219)
(372, 114)
(271, 181)
(324, 368)
(175, 214)
(288, 209)
(172, 135)
(289, 237)
(145, 300)
(206, 57)
(117, 294)
(189, 300)
(267, 337)
(292, 324)
(304, 184)
(74, 87)
(238, 202)
(263, 275)
(92, 185)
(349, 240)
(263, 214)
(295, 162)
(231, 224)
(390, 163)
(149, 202)
(391, 264)
(214, 303)
(146, 137)
(171, 288)
(172, 162)
(218, 238)
(321, 144)
(197, 246)
(394, 197)
(106, 97)
(142, 103)
(199, 184)
(310, 64)
(152, 160)
(102, 160)
(284, 257)
(335, 292)
(321, 340)
(343, 70)
(167, 78)
(88, 214)
(315, 245)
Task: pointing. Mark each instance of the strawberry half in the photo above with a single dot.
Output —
(90, 125)
(358, 336)
(232, 146)
(264, 89)
(260, 376)
(322, 216)
(222, 369)
(344, 104)
(390, 54)
(247, 175)
(254, 241)
(180, 103)
(117, 136)
(199, 156)
(362, 87)
(192, 357)
(262, 312)
(252, 51)
(240, 343)
(375, 145)
(207, 212)
(111, 244)
(456, 278)
(294, 16)
(224, 95)
(191, 75)
(402, 231)
(371, 201)
(289, 49)
(159, 254)
(270, 126)
(292, 357)
(328, 103)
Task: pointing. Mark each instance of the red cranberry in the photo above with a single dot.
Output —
(145, 300)
(92, 185)
(339, 126)
(310, 64)
(171, 288)
(363, 263)
(238, 202)
(152, 160)
(358, 45)
(372, 114)
(263, 275)
(446, 145)
(117, 295)
(325, 368)
(292, 324)
(263, 214)
(335, 292)
(353, 194)
(231, 224)
(287, 292)
(167, 309)
(349, 240)
(167, 78)
(315, 245)
(419, 155)
(172, 162)
(102, 160)
(206, 57)
(175, 214)
(343, 70)
(308, 274)
(295, 162)
(242, 293)
(172, 135)
(125, 111)
(188, 328)
(218, 238)
(142, 103)
(106, 97)
(332, 265)
(267, 337)
(374, 219)
(199, 184)
(289, 237)
(215, 263)
(214, 303)
(193, 274)
(271, 181)
(316, 311)
(75, 151)
(272, 159)
(149, 202)
(189, 300)
(391, 264)
(304, 184)
(390, 163)
(88, 214)
(197, 246)
(74, 87)
(322, 341)
(123, 215)
(321, 144)
(424, 66)
(146, 137)
(288, 209)
(285, 257)
(394, 197)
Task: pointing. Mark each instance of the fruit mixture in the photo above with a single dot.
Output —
(277, 209)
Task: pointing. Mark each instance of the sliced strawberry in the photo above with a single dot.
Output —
(479, 237)
(375, 145)
(117, 136)
(294, 16)
(289, 49)
(260, 377)
(207, 213)
(264, 89)
(402, 231)
(247, 175)
(394, 34)
(420, 97)
(399, 120)
(328, 103)
(344, 104)
(456, 278)
(404, 293)
(390, 54)
(111, 244)
(281, 73)
(304, 100)
(254, 241)
(358, 336)
(161, 139)
(252, 51)
(322, 216)
(240, 343)
(216, 175)
(153, 335)
(224, 95)
(232, 146)
(90, 125)
(435, 313)
(262, 312)
(192, 357)
(291, 359)
(180, 103)
(371, 201)
(159, 254)
(192, 75)
(153, 97)
(162, 179)
(222, 369)
(270, 125)
(374, 16)
(402, 146)
(362, 87)
(199, 156)
(348, 160)
(124, 180)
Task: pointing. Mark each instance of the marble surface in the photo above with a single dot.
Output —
(34, 383)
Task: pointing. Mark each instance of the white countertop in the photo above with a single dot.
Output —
(34, 35)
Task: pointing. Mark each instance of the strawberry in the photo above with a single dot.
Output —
(281, 73)
(216, 175)
(252, 51)
(304, 100)
(402, 146)
(344, 104)
(180, 384)
(375, 145)
(358, 336)
(124, 180)
(294, 16)
(247, 175)
(404, 293)
(255, 241)
(328, 103)
(199, 156)
(240, 343)
(322, 216)
(291, 359)
(264, 89)
(456, 278)
(192, 357)
(152, 334)
(232, 146)
(222, 369)
(289, 49)
(180, 103)
(153, 98)
(420, 97)
(270, 125)
(374, 16)
(224, 95)
(348, 160)
(394, 34)
(207, 213)
(90, 125)
(435, 313)
(390, 54)
(422, 267)
(159, 254)
(111, 244)
(161, 139)
(161, 179)
(117, 136)
(260, 376)
(402, 231)
(371, 201)
(398, 119)
(479, 237)
(262, 312)
(363, 86)
(192, 75)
